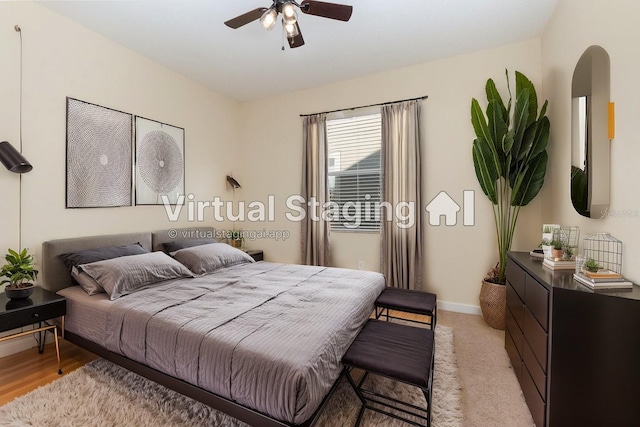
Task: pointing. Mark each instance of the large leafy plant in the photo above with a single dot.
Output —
(509, 155)
(19, 268)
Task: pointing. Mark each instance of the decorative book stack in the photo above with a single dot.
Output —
(553, 264)
(602, 279)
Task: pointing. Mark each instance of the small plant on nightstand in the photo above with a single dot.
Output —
(19, 272)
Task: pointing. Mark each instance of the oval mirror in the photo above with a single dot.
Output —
(589, 134)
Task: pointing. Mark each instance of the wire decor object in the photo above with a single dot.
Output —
(605, 249)
(159, 162)
(99, 156)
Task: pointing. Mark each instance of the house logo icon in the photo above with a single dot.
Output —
(444, 205)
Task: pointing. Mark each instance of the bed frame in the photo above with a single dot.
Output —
(55, 276)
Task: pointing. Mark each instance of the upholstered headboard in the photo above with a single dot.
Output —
(194, 233)
(56, 276)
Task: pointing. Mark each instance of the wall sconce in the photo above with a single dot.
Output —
(12, 159)
(234, 183)
(612, 120)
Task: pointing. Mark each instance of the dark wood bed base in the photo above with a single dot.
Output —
(219, 403)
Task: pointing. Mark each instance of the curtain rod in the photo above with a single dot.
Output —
(367, 106)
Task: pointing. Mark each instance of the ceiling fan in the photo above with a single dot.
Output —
(269, 16)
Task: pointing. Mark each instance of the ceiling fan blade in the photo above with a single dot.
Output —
(296, 41)
(340, 12)
(245, 18)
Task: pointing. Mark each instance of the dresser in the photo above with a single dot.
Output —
(575, 351)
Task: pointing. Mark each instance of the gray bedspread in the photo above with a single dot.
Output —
(268, 336)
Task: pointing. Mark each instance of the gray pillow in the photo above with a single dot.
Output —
(86, 282)
(87, 256)
(123, 275)
(206, 259)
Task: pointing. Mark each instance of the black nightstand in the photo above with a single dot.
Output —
(40, 307)
(257, 255)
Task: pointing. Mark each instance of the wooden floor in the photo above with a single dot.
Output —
(23, 372)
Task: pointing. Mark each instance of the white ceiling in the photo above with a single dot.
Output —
(189, 36)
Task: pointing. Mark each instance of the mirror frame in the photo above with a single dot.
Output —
(590, 152)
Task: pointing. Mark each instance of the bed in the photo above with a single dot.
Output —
(261, 342)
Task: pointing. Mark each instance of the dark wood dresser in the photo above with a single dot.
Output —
(575, 351)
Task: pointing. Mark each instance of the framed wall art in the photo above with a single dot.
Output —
(159, 162)
(99, 156)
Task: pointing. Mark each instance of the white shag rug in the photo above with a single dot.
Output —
(103, 394)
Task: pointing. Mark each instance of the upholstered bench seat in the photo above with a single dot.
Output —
(396, 351)
(408, 301)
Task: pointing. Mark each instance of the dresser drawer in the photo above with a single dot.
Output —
(537, 301)
(537, 374)
(536, 337)
(515, 276)
(514, 357)
(533, 398)
(30, 315)
(515, 331)
(515, 305)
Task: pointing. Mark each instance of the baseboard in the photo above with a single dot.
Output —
(459, 308)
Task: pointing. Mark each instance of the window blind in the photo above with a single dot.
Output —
(354, 171)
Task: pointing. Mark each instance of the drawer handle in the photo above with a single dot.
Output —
(36, 315)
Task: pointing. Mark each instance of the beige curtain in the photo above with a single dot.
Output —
(401, 250)
(315, 231)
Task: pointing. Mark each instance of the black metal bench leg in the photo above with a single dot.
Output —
(434, 316)
(360, 396)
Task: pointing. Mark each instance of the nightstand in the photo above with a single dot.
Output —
(39, 308)
(257, 255)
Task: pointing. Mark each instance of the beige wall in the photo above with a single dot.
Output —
(62, 58)
(576, 25)
(456, 257)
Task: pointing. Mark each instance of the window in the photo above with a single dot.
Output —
(354, 171)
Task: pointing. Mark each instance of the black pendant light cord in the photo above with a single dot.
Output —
(17, 28)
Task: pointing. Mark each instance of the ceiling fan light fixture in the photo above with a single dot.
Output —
(290, 29)
(269, 18)
(289, 14)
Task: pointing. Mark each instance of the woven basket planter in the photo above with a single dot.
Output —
(493, 299)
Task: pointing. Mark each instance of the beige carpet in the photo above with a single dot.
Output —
(103, 394)
(491, 394)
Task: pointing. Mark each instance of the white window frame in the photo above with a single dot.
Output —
(368, 223)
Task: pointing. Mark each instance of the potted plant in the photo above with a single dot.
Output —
(591, 265)
(567, 253)
(236, 238)
(510, 161)
(556, 249)
(546, 247)
(19, 272)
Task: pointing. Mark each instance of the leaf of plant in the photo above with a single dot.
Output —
(520, 119)
(494, 95)
(541, 139)
(497, 126)
(523, 83)
(531, 181)
(543, 111)
(479, 122)
(527, 140)
(485, 162)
